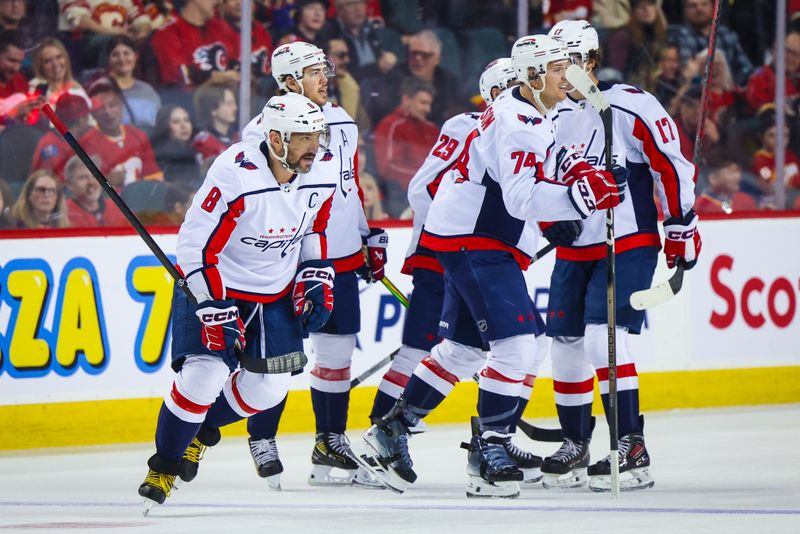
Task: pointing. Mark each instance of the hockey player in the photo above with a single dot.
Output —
(421, 327)
(302, 68)
(480, 226)
(261, 211)
(646, 142)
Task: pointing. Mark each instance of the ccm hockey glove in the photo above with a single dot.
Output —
(312, 297)
(682, 243)
(222, 327)
(375, 244)
(561, 233)
(598, 190)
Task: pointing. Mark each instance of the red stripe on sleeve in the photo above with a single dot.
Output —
(185, 404)
(439, 371)
(573, 388)
(623, 371)
(660, 163)
(222, 233)
(321, 223)
(358, 180)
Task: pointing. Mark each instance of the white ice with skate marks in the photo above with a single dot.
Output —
(722, 470)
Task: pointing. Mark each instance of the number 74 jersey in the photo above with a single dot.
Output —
(646, 143)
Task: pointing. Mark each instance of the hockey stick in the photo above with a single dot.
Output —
(285, 363)
(377, 366)
(648, 298)
(581, 81)
(396, 292)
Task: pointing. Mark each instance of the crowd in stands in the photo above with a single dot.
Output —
(150, 90)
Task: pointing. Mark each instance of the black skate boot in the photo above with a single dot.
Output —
(386, 455)
(529, 463)
(332, 451)
(566, 468)
(205, 438)
(634, 463)
(268, 463)
(159, 481)
(490, 470)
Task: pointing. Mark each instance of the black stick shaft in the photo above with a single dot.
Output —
(112, 193)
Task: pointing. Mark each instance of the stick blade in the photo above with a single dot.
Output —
(649, 298)
(581, 81)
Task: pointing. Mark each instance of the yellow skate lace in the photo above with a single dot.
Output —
(160, 481)
(195, 451)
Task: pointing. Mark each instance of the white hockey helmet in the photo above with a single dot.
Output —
(578, 36)
(536, 52)
(499, 73)
(292, 113)
(290, 60)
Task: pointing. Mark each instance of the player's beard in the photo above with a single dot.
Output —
(295, 165)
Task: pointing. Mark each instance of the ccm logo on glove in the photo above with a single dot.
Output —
(219, 317)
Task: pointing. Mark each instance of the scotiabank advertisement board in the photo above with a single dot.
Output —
(87, 317)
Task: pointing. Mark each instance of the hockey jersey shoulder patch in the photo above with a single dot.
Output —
(527, 119)
(245, 163)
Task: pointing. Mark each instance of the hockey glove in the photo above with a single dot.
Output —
(598, 190)
(682, 244)
(375, 244)
(561, 233)
(572, 168)
(312, 297)
(222, 327)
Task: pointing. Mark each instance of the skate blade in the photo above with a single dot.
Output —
(274, 482)
(147, 505)
(478, 488)
(368, 457)
(364, 480)
(577, 478)
(532, 477)
(321, 476)
(635, 479)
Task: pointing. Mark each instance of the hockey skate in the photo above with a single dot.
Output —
(529, 463)
(490, 470)
(386, 455)
(634, 463)
(158, 483)
(195, 451)
(268, 463)
(566, 468)
(332, 451)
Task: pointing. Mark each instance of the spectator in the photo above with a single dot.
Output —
(555, 11)
(15, 102)
(126, 151)
(724, 98)
(635, 48)
(373, 208)
(687, 115)
(722, 194)
(216, 109)
(367, 57)
(764, 158)
(262, 42)
(194, 47)
(87, 206)
(53, 70)
(89, 25)
(177, 201)
(761, 87)
(691, 37)
(41, 203)
(343, 89)
(309, 18)
(140, 99)
(610, 14)
(11, 14)
(403, 139)
(424, 56)
(52, 152)
(667, 79)
(6, 201)
(171, 142)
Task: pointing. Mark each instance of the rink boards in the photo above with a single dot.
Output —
(84, 336)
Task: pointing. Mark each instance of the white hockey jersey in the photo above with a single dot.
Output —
(245, 234)
(500, 185)
(646, 142)
(347, 221)
(425, 184)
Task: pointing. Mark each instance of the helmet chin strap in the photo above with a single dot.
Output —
(282, 159)
(537, 93)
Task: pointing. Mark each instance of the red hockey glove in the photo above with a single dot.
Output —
(312, 297)
(375, 255)
(598, 190)
(222, 327)
(682, 243)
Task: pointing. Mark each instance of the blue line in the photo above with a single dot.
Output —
(443, 507)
